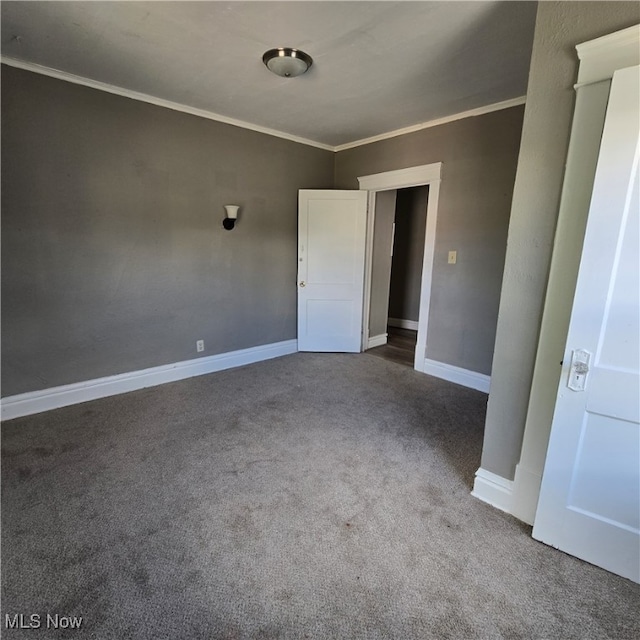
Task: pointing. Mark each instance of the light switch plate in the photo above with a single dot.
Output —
(453, 257)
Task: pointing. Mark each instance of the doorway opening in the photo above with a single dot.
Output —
(384, 190)
(396, 276)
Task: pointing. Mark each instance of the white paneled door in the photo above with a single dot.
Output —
(589, 502)
(331, 249)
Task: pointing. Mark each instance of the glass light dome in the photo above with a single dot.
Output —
(287, 62)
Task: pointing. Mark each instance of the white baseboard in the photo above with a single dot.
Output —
(26, 404)
(493, 489)
(403, 324)
(464, 377)
(377, 341)
(526, 491)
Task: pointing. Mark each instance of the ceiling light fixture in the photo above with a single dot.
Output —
(287, 62)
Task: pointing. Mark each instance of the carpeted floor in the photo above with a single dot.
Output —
(312, 496)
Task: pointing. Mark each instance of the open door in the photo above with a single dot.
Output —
(589, 503)
(331, 249)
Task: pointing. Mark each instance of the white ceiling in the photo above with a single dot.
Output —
(378, 66)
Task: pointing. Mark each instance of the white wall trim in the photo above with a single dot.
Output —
(600, 58)
(428, 259)
(402, 178)
(493, 489)
(464, 377)
(210, 115)
(490, 108)
(368, 268)
(26, 404)
(160, 102)
(526, 491)
(377, 341)
(403, 324)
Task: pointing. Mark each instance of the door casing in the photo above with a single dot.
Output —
(428, 174)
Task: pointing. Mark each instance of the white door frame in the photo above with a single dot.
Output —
(599, 59)
(427, 174)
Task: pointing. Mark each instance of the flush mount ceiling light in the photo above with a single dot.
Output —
(287, 62)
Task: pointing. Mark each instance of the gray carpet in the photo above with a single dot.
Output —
(312, 496)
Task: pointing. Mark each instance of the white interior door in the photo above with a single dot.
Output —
(589, 502)
(331, 246)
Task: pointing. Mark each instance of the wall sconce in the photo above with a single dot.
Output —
(232, 215)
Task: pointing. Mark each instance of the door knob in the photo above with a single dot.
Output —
(302, 283)
(581, 368)
(580, 359)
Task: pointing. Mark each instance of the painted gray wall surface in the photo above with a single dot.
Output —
(381, 262)
(479, 157)
(113, 253)
(408, 255)
(550, 99)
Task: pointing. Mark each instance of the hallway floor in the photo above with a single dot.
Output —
(400, 347)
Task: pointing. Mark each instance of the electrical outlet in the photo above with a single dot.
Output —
(453, 257)
(199, 345)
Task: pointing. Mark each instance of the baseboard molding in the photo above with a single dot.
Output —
(377, 341)
(464, 377)
(26, 404)
(526, 491)
(493, 489)
(403, 324)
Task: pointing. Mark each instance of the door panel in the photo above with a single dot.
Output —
(331, 247)
(606, 439)
(589, 502)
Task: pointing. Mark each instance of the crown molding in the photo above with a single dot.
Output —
(160, 102)
(210, 115)
(497, 106)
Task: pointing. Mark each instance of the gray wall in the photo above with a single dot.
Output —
(550, 99)
(408, 253)
(381, 262)
(479, 158)
(113, 253)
